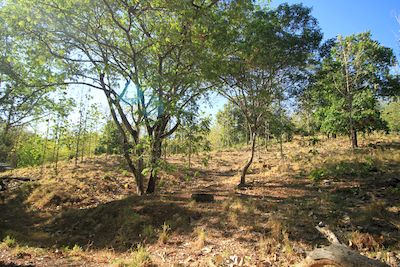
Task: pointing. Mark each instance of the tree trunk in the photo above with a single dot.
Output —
(354, 139)
(84, 135)
(57, 147)
(340, 256)
(44, 148)
(165, 151)
(266, 136)
(57, 155)
(337, 254)
(155, 157)
(137, 172)
(78, 140)
(190, 154)
(246, 167)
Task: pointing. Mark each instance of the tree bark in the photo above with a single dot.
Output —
(190, 154)
(354, 140)
(246, 167)
(155, 157)
(340, 256)
(44, 148)
(337, 255)
(137, 171)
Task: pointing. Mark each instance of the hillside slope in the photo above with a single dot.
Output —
(89, 215)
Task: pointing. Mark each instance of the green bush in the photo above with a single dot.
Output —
(317, 174)
(9, 242)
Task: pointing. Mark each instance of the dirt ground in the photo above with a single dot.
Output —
(90, 215)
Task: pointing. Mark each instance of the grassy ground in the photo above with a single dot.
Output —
(89, 215)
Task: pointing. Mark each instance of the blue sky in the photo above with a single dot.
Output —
(346, 17)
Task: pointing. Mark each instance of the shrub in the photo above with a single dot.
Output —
(76, 250)
(201, 238)
(148, 231)
(317, 174)
(9, 242)
(164, 235)
(140, 257)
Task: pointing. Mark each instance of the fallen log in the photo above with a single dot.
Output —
(5, 167)
(337, 254)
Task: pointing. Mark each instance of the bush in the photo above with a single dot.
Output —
(9, 242)
(164, 235)
(139, 258)
(317, 174)
(148, 231)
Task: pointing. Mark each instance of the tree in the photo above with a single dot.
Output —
(110, 140)
(262, 60)
(233, 125)
(154, 47)
(391, 114)
(23, 97)
(192, 135)
(354, 73)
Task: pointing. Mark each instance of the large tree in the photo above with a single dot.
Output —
(24, 71)
(355, 71)
(154, 47)
(262, 60)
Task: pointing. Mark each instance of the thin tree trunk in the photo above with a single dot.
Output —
(137, 172)
(84, 137)
(190, 154)
(56, 146)
(353, 132)
(354, 139)
(56, 139)
(57, 153)
(266, 136)
(165, 151)
(78, 139)
(246, 167)
(44, 149)
(280, 125)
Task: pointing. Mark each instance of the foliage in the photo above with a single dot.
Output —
(29, 150)
(110, 140)
(233, 125)
(8, 242)
(391, 114)
(261, 60)
(317, 174)
(140, 257)
(191, 137)
(26, 75)
(161, 64)
(164, 234)
(355, 71)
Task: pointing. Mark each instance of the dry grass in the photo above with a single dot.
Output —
(164, 234)
(201, 239)
(365, 241)
(271, 222)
